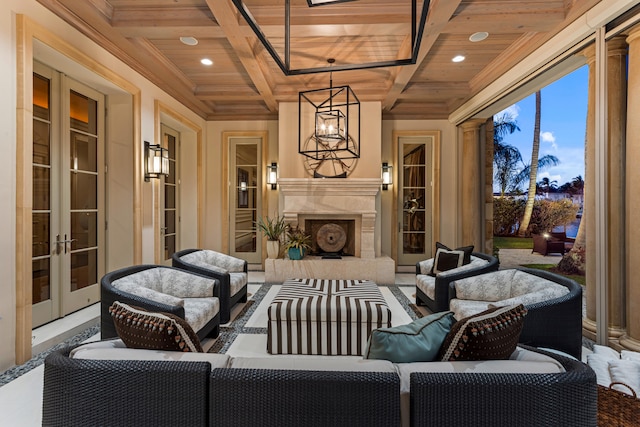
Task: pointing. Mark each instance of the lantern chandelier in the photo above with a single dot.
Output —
(417, 25)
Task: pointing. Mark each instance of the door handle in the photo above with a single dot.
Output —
(66, 242)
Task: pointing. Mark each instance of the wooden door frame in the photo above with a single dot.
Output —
(264, 136)
(435, 175)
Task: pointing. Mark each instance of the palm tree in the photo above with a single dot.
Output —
(506, 158)
(528, 209)
(546, 185)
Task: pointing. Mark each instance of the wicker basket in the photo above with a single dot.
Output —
(616, 408)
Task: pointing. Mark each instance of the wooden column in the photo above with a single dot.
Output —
(588, 206)
(631, 340)
(616, 118)
(488, 188)
(471, 189)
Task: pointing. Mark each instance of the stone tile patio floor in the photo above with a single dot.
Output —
(511, 258)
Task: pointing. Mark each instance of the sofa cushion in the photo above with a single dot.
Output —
(462, 308)
(427, 284)
(304, 363)
(117, 350)
(186, 285)
(418, 341)
(426, 266)
(199, 311)
(525, 283)
(492, 286)
(147, 293)
(139, 328)
(532, 297)
(446, 260)
(213, 260)
(237, 281)
(490, 335)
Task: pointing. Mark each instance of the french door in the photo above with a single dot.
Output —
(68, 208)
(170, 195)
(415, 202)
(244, 198)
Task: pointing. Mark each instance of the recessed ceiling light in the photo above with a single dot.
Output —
(458, 58)
(206, 61)
(479, 36)
(190, 41)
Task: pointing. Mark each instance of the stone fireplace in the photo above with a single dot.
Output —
(348, 203)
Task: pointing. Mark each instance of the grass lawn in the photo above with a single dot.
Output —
(552, 268)
(512, 242)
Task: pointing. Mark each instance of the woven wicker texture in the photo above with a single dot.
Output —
(279, 398)
(563, 400)
(617, 409)
(123, 393)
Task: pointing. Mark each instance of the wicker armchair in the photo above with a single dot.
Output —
(481, 264)
(156, 275)
(230, 271)
(555, 323)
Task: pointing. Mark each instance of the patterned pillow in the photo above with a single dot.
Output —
(139, 328)
(490, 335)
(446, 260)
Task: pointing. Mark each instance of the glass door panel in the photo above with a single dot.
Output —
(80, 246)
(415, 201)
(169, 227)
(244, 155)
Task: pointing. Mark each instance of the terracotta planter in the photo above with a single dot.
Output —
(273, 249)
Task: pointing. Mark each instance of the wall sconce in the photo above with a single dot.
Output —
(156, 162)
(387, 175)
(272, 175)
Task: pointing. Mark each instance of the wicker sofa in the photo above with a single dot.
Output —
(554, 304)
(191, 296)
(232, 273)
(433, 292)
(212, 390)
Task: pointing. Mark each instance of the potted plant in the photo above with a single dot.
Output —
(273, 229)
(298, 243)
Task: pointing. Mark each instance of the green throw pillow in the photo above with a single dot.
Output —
(418, 341)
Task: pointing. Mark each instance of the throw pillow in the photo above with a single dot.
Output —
(468, 250)
(490, 335)
(418, 341)
(139, 328)
(446, 260)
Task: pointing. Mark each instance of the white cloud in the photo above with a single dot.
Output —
(550, 138)
(513, 112)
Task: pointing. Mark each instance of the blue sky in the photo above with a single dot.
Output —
(562, 125)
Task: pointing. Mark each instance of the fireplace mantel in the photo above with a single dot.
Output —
(334, 198)
(337, 198)
(330, 186)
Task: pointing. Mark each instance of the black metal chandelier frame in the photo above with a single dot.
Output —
(417, 31)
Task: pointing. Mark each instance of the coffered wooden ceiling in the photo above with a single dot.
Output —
(244, 82)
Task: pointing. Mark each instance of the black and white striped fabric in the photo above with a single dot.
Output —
(327, 317)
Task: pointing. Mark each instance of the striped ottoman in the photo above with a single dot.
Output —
(328, 317)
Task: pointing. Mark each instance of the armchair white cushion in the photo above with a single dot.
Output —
(175, 287)
(502, 288)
